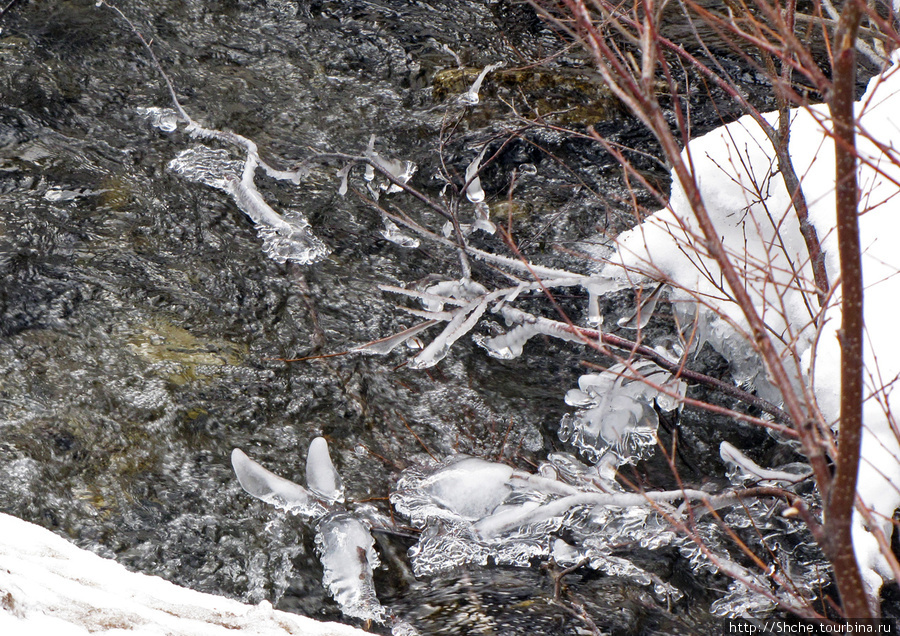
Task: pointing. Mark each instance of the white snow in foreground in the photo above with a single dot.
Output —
(48, 586)
(743, 192)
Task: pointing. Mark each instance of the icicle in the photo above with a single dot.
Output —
(483, 219)
(370, 152)
(474, 193)
(470, 97)
(344, 174)
(321, 477)
(641, 315)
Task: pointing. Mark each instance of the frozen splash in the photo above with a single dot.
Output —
(343, 538)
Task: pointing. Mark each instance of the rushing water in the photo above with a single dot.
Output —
(143, 329)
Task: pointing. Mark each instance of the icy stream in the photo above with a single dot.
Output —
(148, 307)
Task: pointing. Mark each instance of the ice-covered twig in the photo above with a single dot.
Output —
(383, 346)
(462, 323)
(510, 345)
(735, 458)
(425, 297)
(283, 239)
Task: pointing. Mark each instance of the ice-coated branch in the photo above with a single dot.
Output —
(733, 457)
(283, 239)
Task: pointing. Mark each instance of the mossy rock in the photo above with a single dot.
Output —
(568, 96)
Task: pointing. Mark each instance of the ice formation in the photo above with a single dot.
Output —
(616, 422)
(284, 238)
(347, 552)
(321, 475)
(473, 512)
(399, 170)
(474, 193)
(471, 97)
(741, 468)
(343, 539)
(278, 491)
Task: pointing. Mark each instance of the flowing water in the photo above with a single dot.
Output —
(143, 330)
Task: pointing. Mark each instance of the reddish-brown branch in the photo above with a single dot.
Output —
(841, 497)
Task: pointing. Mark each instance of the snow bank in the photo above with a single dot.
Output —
(750, 205)
(48, 586)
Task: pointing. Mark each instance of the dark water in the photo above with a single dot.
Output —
(142, 327)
